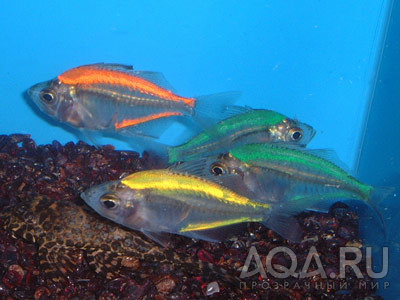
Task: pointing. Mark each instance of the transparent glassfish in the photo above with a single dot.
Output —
(116, 98)
(275, 173)
(244, 126)
(164, 201)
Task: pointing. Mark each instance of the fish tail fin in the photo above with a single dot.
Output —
(173, 154)
(154, 148)
(210, 109)
(377, 195)
(281, 220)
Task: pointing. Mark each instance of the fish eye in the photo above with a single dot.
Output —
(109, 201)
(295, 134)
(218, 169)
(47, 96)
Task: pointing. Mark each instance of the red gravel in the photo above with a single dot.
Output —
(64, 171)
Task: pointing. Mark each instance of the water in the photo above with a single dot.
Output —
(329, 64)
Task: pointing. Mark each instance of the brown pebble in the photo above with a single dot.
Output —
(14, 276)
(41, 291)
(130, 262)
(165, 285)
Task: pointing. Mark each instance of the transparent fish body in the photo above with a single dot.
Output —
(306, 167)
(159, 201)
(248, 126)
(111, 97)
(273, 173)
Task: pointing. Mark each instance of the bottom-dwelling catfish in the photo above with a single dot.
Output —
(166, 201)
(61, 228)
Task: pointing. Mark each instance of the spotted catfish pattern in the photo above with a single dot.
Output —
(66, 232)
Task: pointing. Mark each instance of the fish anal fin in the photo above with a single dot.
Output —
(152, 126)
(283, 222)
(218, 234)
(161, 238)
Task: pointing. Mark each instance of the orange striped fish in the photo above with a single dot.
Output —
(114, 97)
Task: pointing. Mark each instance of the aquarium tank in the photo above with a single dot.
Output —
(329, 69)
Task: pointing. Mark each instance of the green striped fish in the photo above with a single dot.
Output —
(245, 126)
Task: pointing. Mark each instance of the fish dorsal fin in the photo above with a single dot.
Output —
(116, 67)
(201, 168)
(156, 78)
(329, 155)
(326, 154)
(196, 167)
(235, 110)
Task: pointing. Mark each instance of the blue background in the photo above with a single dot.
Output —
(326, 63)
(313, 60)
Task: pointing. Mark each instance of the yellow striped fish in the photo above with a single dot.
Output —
(166, 201)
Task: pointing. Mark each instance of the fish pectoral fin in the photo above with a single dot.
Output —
(59, 263)
(90, 136)
(160, 238)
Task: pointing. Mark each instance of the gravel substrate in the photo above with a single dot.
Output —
(59, 173)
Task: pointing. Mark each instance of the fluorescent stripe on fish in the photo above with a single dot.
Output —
(217, 224)
(88, 75)
(235, 126)
(131, 122)
(250, 126)
(300, 164)
(163, 180)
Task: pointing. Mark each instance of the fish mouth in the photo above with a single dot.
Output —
(308, 134)
(34, 93)
(35, 90)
